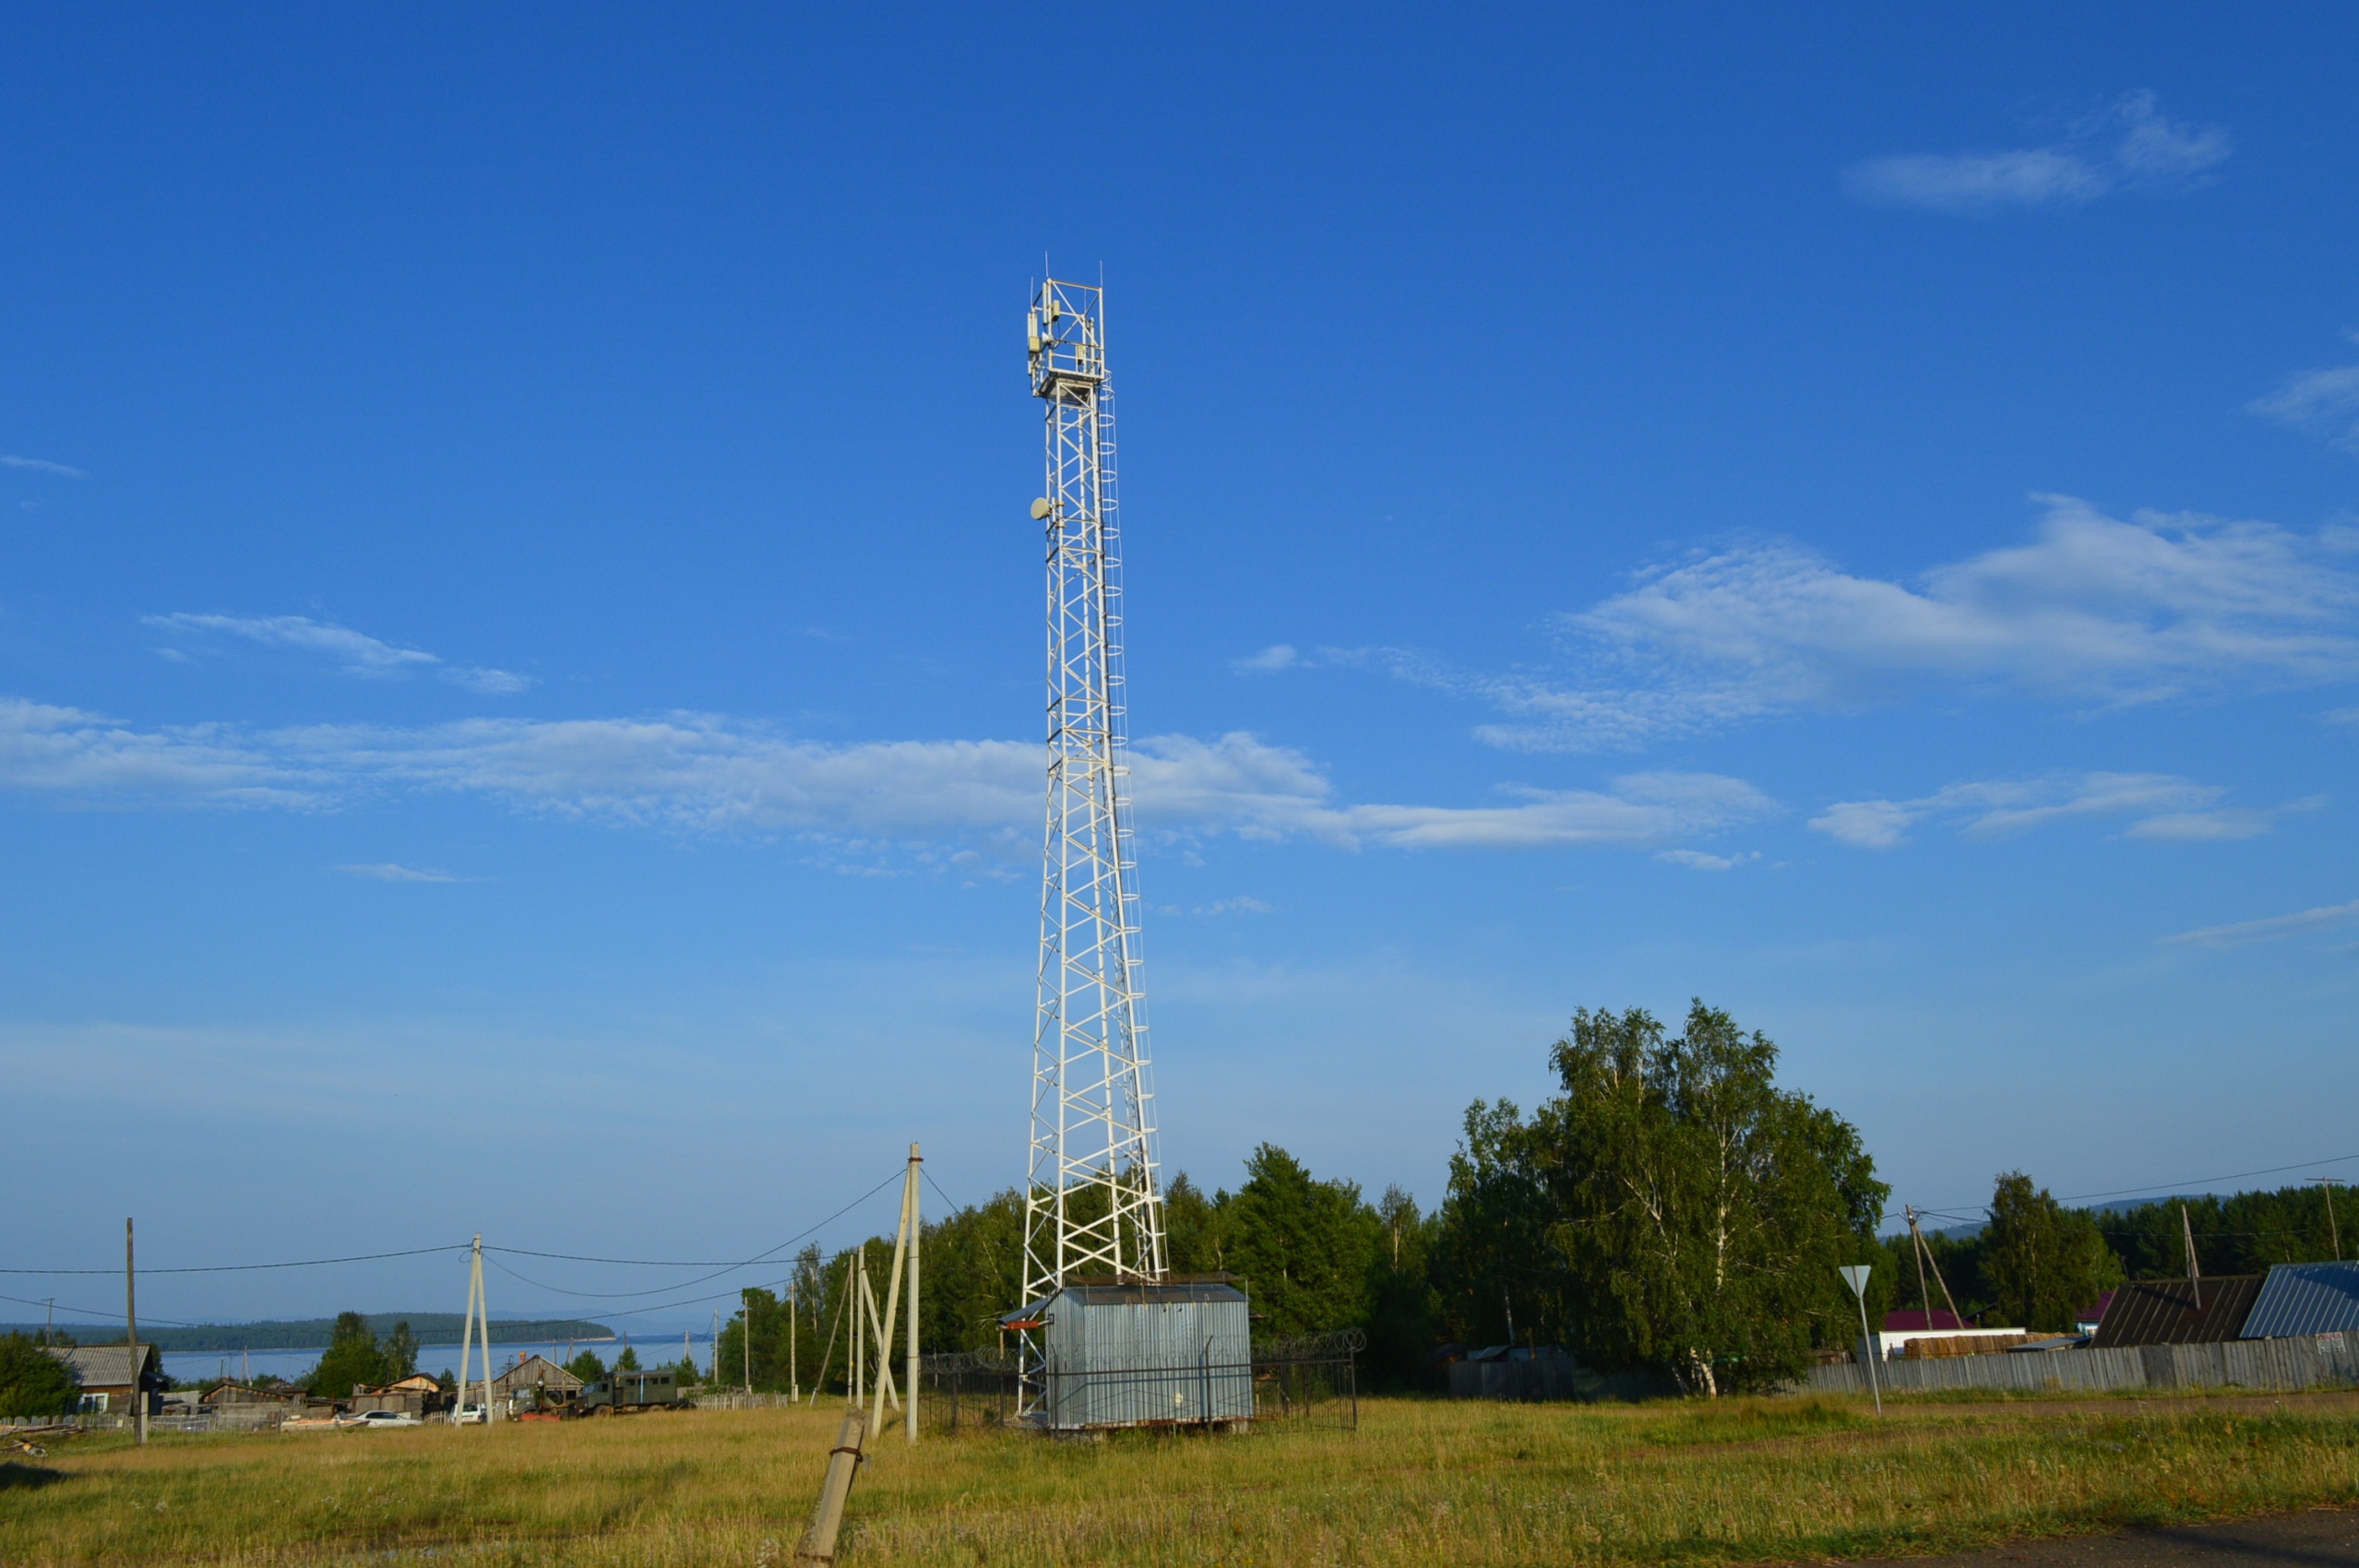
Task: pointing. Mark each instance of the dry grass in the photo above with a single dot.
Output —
(1420, 1482)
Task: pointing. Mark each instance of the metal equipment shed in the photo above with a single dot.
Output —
(2306, 1297)
(1131, 1353)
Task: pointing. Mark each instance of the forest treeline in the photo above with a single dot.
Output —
(1669, 1208)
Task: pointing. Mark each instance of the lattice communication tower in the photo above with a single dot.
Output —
(1093, 1205)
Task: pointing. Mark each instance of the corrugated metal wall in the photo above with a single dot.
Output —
(2322, 1362)
(1126, 1363)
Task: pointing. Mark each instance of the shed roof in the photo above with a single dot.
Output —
(536, 1371)
(2306, 1297)
(2163, 1312)
(1137, 1292)
(107, 1366)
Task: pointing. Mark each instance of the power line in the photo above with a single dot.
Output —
(244, 1268)
(2170, 1188)
(104, 1317)
(762, 1257)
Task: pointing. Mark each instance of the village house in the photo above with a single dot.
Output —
(108, 1376)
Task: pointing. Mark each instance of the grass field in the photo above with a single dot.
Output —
(1420, 1482)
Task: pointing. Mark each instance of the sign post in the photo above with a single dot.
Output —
(1855, 1276)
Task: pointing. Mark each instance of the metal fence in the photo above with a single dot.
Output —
(2320, 1362)
(1311, 1380)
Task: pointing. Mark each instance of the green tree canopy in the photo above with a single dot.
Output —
(353, 1359)
(401, 1352)
(1701, 1212)
(628, 1361)
(1301, 1245)
(2044, 1261)
(34, 1382)
(587, 1366)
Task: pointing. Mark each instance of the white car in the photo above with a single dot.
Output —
(467, 1415)
(374, 1419)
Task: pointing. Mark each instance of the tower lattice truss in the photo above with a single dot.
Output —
(1093, 1205)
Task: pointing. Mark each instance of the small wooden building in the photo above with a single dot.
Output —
(109, 1378)
(538, 1381)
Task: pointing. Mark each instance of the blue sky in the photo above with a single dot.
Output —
(520, 629)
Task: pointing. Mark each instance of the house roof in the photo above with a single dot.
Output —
(2163, 1312)
(416, 1382)
(536, 1371)
(2306, 1297)
(106, 1366)
(1923, 1321)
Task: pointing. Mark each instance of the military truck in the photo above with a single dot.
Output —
(622, 1391)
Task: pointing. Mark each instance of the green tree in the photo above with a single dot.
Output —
(353, 1359)
(1403, 1303)
(1302, 1246)
(1702, 1211)
(628, 1361)
(1497, 1276)
(2044, 1261)
(587, 1366)
(34, 1382)
(1195, 1229)
(401, 1352)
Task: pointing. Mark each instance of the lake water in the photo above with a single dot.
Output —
(199, 1366)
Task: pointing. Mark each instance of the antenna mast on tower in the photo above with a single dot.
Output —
(1093, 1205)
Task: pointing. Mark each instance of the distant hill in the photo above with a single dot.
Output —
(312, 1332)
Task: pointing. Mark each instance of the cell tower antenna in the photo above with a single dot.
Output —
(1092, 1203)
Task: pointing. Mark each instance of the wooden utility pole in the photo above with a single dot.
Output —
(2327, 1184)
(1925, 1255)
(843, 1464)
(909, 1367)
(893, 1299)
(2195, 1275)
(793, 1364)
(746, 1337)
(1916, 1246)
(131, 1333)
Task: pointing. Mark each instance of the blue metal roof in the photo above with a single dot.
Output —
(2306, 1297)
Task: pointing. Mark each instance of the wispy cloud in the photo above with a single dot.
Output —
(1696, 860)
(2091, 609)
(391, 872)
(704, 773)
(355, 653)
(2160, 806)
(2326, 401)
(40, 465)
(2269, 929)
(73, 754)
(2131, 145)
(1278, 656)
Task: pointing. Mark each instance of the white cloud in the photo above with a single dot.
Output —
(2162, 806)
(1278, 656)
(356, 653)
(701, 772)
(2092, 609)
(67, 752)
(391, 872)
(2268, 930)
(2322, 400)
(1696, 860)
(2129, 145)
(40, 465)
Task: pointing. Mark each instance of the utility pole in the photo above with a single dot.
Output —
(2195, 1275)
(2328, 1184)
(793, 1365)
(477, 1312)
(746, 1337)
(859, 1290)
(1916, 1250)
(131, 1332)
(917, 1230)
